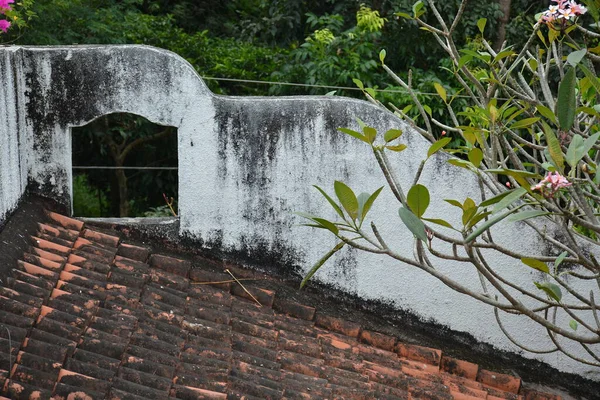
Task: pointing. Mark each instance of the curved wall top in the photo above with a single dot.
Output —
(245, 165)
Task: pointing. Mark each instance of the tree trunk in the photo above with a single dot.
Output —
(123, 195)
(501, 32)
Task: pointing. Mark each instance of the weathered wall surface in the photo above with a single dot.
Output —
(246, 164)
(13, 178)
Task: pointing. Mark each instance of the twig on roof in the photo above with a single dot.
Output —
(245, 290)
(222, 282)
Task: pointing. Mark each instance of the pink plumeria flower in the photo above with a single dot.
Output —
(551, 184)
(4, 25)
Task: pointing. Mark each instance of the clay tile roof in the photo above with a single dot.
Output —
(90, 317)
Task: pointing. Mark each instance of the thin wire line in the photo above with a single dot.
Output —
(211, 78)
(132, 168)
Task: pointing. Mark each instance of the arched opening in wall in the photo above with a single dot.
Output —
(124, 166)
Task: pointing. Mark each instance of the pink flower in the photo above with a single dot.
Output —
(551, 184)
(4, 25)
(5, 6)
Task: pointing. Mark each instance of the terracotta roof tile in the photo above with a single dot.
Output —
(93, 317)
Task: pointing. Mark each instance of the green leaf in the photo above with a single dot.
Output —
(503, 54)
(327, 225)
(567, 102)
(495, 199)
(320, 263)
(536, 264)
(575, 57)
(460, 163)
(417, 9)
(455, 203)
(560, 259)
(509, 199)
(476, 156)
(413, 223)
(347, 197)
(590, 142)
(522, 216)
(398, 148)
(358, 83)
(524, 123)
(481, 24)
(392, 134)
(546, 112)
(474, 220)
(383, 53)
(418, 199)
(438, 222)
(355, 134)
(487, 225)
(440, 144)
(368, 203)
(575, 150)
(440, 91)
(554, 147)
(469, 209)
(370, 134)
(427, 109)
(552, 290)
(371, 92)
(337, 208)
(591, 76)
(573, 324)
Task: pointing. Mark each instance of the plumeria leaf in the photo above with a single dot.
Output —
(327, 225)
(478, 218)
(524, 123)
(476, 156)
(355, 134)
(438, 221)
(397, 148)
(383, 53)
(413, 223)
(493, 200)
(567, 102)
(573, 324)
(461, 163)
(440, 91)
(552, 290)
(320, 263)
(522, 216)
(392, 134)
(370, 134)
(440, 144)
(481, 24)
(536, 264)
(455, 203)
(576, 56)
(368, 203)
(347, 197)
(546, 112)
(508, 200)
(575, 151)
(554, 147)
(335, 206)
(487, 225)
(560, 259)
(418, 199)
(358, 83)
(591, 76)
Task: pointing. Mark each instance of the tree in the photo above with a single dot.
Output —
(519, 130)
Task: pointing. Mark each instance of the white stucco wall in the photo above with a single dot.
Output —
(246, 164)
(13, 179)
